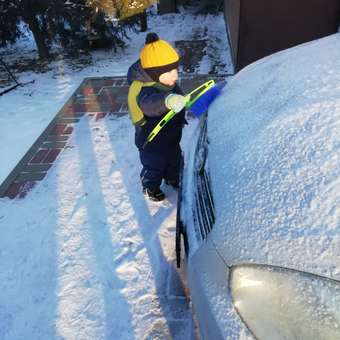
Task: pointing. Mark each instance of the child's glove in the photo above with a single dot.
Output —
(175, 102)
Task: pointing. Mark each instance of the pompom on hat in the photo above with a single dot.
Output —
(158, 56)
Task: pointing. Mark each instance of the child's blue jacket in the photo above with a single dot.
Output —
(151, 101)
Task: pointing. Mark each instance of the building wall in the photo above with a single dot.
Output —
(267, 26)
(232, 19)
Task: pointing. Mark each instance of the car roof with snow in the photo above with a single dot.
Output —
(274, 153)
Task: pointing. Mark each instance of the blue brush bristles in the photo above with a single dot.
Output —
(202, 104)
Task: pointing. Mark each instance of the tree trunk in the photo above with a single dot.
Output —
(38, 35)
(143, 21)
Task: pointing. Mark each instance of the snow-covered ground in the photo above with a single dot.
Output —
(84, 255)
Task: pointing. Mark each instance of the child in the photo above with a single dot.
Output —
(153, 92)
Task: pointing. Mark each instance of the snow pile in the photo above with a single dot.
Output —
(274, 160)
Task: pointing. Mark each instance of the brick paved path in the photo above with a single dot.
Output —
(95, 97)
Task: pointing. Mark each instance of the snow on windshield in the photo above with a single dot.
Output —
(274, 160)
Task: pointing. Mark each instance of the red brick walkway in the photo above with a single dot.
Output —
(95, 97)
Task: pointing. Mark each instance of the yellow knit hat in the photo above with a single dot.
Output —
(158, 56)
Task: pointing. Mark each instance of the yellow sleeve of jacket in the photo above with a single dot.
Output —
(136, 114)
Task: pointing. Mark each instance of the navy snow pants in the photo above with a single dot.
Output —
(158, 165)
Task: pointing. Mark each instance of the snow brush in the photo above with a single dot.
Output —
(197, 101)
(201, 104)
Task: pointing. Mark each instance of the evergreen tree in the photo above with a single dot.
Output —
(9, 30)
(72, 23)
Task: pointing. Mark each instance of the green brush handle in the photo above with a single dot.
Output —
(197, 93)
(200, 91)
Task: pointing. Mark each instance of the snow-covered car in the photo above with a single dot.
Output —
(260, 201)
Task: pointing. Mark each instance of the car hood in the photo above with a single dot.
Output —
(274, 148)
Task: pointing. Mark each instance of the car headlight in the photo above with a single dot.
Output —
(282, 304)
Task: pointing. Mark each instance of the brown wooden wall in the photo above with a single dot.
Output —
(258, 28)
(232, 16)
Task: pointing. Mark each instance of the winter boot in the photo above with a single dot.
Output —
(155, 195)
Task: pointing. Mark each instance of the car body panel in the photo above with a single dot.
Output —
(273, 155)
(207, 274)
(208, 281)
